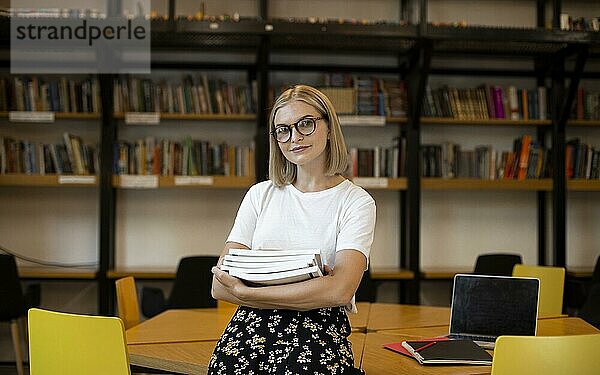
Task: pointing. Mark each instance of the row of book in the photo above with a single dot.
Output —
(273, 266)
(486, 102)
(72, 156)
(527, 160)
(198, 95)
(379, 161)
(582, 160)
(370, 96)
(189, 157)
(587, 105)
(56, 95)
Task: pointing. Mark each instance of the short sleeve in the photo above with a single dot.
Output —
(357, 226)
(245, 220)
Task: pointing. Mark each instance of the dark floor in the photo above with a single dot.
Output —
(10, 370)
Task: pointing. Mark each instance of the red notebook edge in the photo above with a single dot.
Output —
(398, 348)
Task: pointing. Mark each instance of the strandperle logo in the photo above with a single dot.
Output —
(85, 31)
(65, 42)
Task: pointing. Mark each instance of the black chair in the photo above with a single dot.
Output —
(14, 303)
(192, 288)
(496, 264)
(590, 312)
(366, 291)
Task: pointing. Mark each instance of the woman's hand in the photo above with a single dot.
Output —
(229, 284)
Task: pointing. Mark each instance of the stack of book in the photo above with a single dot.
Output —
(273, 267)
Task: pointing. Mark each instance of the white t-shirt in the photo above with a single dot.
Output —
(338, 218)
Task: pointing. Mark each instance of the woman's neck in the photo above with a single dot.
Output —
(307, 183)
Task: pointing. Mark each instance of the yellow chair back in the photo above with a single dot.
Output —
(70, 344)
(127, 302)
(552, 285)
(546, 355)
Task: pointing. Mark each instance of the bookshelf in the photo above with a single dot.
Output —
(412, 47)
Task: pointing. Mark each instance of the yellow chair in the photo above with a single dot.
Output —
(552, 285)
(70, 344)
(127, 302)
(546, 355)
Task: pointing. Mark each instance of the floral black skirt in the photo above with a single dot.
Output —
(262, 341)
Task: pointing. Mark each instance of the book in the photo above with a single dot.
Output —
(278, 278)
(428, 352)
(273, 267)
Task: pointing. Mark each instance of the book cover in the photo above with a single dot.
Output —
(447, 352)
(278, 278)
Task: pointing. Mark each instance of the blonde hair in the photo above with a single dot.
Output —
(282, 171)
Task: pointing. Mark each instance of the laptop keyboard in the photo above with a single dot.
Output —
(472, 337)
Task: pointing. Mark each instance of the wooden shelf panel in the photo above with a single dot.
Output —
(583, 185)
(488, 122)
(48, 180)
(40, 272)
(197, 182)
(381, 183)
(442, 273)
(67, 115)
(148, 273)
(580, 272)
(583, 123)
(478, 184)
(377, 273)
(391, 273)
(200, 117)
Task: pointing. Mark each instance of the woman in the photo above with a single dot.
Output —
(305, 204)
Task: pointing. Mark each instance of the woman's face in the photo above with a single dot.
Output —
(302, 150)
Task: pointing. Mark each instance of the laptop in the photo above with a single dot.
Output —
(485, 307)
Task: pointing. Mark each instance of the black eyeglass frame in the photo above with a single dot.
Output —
(295, 126)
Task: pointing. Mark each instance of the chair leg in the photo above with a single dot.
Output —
(16, 338)
(25, 334)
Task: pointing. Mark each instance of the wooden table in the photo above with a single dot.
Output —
(183, 340)
(206, 325)
(193, 357)
(181, 326)
(393, 316)
(377, 360)
(359, 321)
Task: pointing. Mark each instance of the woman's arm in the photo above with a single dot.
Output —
(217, 291)
(335, 289)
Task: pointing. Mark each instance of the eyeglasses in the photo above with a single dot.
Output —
(305, 126)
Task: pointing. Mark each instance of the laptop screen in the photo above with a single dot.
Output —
(494, 305)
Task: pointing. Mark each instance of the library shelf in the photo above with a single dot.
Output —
(48, 180)
(498, 41)
(480, 184)
(583, 123)
(167, 273)
(442, 273)
(580, 272)
(57, 273)
(583, 185)
(67, 115)
(391, 273)
(483, 122)
(159, 182)
(143, 273)
(381, 183)
(200, 117)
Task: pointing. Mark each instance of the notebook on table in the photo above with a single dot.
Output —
(485, 307)
(447, 352)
